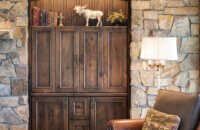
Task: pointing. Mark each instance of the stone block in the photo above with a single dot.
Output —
(23, 100)
(4, 89)
(150, 14)
(152, 91)
(7, 69)
(17, 32)
(173, 88)
(181, 57)
(191, 2)
(195, 29)
(144, 112)
(19, 87)
(163, 82)
(138, 65)
(190, 45)
(150, 24)
(181, 27)
(4, 80)
(135, 78)
(135, 49)
(182, 11)
(138, 97)
(3, 127)
(191, 62)
(25, 37)
(161, 33)
(135, 113)
(193, 86)
(182, 79)
(158, 4)
(19, 43)
(7, 46)
(19, 127)
(194, 19)
(2, 56)
(5, 5)
(146, 78)
(136, 35)
(19, 9)
(21, 21)
(194, 74)
(165, 21)
(8, 116)
(14, 57)
(136, 19)
(170, 70)
(22, 112)
(21, 71)
(9, 101)
(142, 5)
(23, 55)
(175, 3)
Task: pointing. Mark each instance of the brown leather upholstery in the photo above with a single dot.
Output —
(191, 104)
(126, 124)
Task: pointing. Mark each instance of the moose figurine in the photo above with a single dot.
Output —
(89, 14)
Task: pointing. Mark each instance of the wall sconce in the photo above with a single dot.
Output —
(157, 50)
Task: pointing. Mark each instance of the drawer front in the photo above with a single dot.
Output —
(79, 107)
(79, 125)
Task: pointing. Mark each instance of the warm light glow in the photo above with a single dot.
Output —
(159, 48)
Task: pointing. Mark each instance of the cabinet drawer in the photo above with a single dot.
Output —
(79, 107)
(79, 125)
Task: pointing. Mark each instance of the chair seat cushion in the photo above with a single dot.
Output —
(186, 106)
(156, 120)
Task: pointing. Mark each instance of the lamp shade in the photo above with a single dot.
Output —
(159, 48)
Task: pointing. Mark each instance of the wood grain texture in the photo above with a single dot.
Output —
(72, 19)
(79, 125)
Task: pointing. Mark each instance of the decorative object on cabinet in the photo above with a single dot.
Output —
(159, 49)
(52, 18)
(36, 16)
(89, 14)
(61, 17)
(116, 18)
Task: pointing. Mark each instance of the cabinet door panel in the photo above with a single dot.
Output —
(91, 49)
(79, 125)
(79, 107)
(104, 109)
(67, 57)
(43, 59)
(115, 59)
(49, 113)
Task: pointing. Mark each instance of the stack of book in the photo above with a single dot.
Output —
(43, 17)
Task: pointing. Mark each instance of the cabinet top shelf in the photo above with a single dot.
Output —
(79, 26)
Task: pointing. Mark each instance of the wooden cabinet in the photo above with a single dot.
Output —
(79, 77)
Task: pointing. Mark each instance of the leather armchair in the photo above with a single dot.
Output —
(186, 106)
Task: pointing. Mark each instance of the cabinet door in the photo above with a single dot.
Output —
(49, 113)
(67, 59)
(91, 59)
(43, 59)
(104, 109)
(115, 59)
(79, 125)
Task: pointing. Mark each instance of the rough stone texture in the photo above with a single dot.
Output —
(136, 46)
(190, 45)
(165, 21)
(135, 78)
(163, 81)
(181, 27)
(161, 33)
(135, 113)
(136, 19)
(151, 99)
(22, 71)
(138, 97)
(5, 80)
(191, 62)
(150, 14)
(22, 112)
(195, 29)
(182, 11)
(150, 24)
(17, 32)
(138, 65)
(19, 87)
(181, 79)
(21, 21)
(140, 5)
(175, 3)
(7, 46)
(7, 69)
(191, 2)
(194, 74)
(194, 19)
(152, 91)
(19, 9)
(146, 78)
(181, 57)
(3, 127)
(23, 55)
(144, 112)
(137, 36)
(193, 86)
(170, 70)
(7, 115)
(9, 101)
(173, 88)
(5, 5)
(19, 127)
(23, 100)
(157, 4)
(4, 89)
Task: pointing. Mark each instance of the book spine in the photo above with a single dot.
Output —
(52, 18)
(36, 16)
(41, 18)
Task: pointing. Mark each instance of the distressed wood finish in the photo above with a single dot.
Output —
(43, 59)
(104, 109)
(79, 125)
(49, 113)
(91, 59)
(115, 59)
(73, 19)
(67, 59)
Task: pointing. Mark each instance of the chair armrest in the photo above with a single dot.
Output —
(126, 124)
